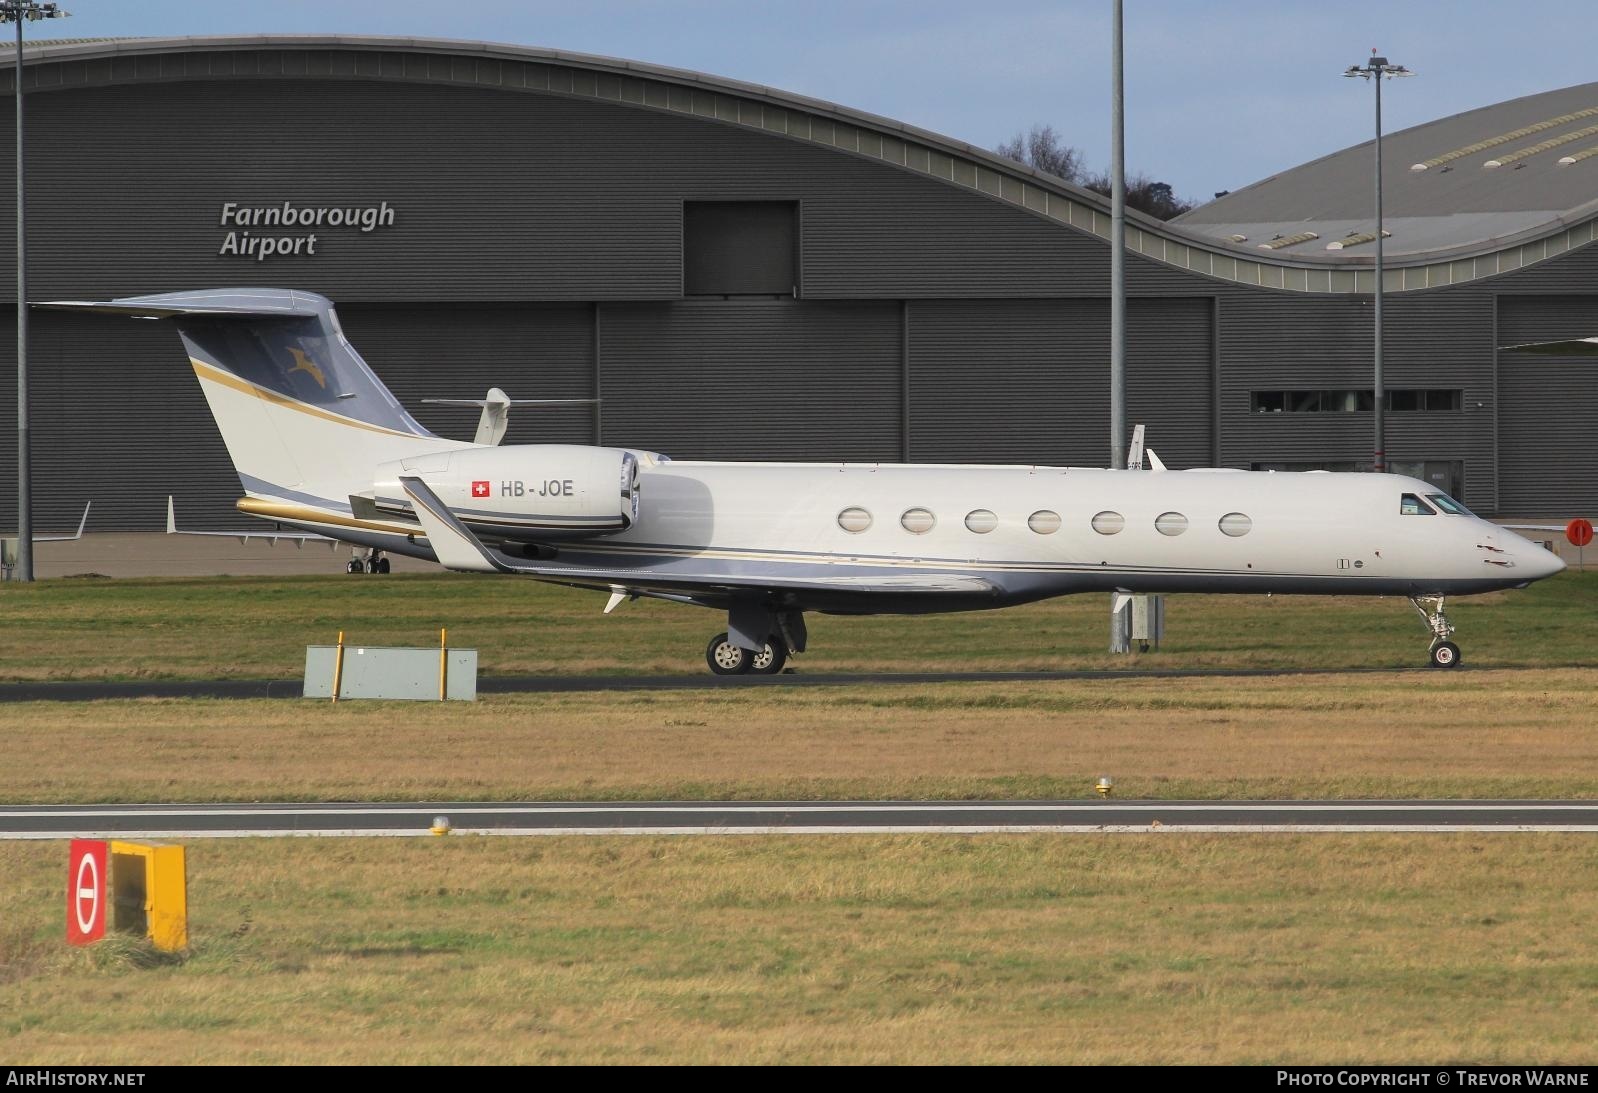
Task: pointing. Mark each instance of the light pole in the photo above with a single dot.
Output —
(16, 11)
(1375, 70)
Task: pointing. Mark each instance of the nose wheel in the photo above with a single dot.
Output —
(1444, 653)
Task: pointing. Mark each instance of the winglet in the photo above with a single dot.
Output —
(171, 517)
(1154, 461)
(453, 544)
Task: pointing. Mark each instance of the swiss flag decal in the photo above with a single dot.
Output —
(480, 489)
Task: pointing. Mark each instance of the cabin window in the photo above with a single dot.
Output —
(1414, 506)
(1236, 524)
(1170, 523)
(1044, 522)
(854, 520)
(980, 521)
(917, 521)
(1448, 504)
(1108, 523)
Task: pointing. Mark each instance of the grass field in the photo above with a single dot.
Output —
(1115, 949)
(1418, 734)
(258, 627)
(1158, 948)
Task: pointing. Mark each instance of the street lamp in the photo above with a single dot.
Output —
(1375, 70)
(16, 11)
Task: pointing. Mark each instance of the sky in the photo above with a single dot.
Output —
(1219, 93)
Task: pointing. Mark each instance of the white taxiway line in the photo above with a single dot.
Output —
(938, 829)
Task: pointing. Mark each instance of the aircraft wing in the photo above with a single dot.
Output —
(1570, 347)
(68, 538)
(457, 548)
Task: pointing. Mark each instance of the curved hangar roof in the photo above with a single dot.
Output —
(1203, 242)
(1474, 183)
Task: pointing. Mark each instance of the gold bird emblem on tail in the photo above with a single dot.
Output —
(302, 363)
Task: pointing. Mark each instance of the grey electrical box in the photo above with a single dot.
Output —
(373, 672)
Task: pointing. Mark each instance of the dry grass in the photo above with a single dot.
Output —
(259, 627)
(1115, 949)
(1422, 734)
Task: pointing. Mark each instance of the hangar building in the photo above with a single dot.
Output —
(738, 272)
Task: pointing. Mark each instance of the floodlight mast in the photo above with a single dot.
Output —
(18, 11)
(1375, 70)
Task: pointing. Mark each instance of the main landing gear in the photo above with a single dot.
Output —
(785, 632)
(728, 659)
(367, 560)
(1444, 653)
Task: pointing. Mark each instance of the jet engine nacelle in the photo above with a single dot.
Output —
(526, 492)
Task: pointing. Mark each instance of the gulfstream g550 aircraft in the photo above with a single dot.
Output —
(321, 445)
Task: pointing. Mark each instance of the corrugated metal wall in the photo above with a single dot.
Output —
(1548, 413)
(496, 195)
(1027, 381)
(118, 419)
(753, 379)
(1433, 339)
(456, 351)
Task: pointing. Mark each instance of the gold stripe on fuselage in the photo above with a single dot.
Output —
(228, 379)
(304, 514)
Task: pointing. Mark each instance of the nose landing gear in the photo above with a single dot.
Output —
(1444, 653)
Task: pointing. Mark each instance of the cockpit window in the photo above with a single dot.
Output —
(1414, 506)
(1448, 504)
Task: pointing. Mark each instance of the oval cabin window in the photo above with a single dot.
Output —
(854, 520)
(980, 521)
(1108, 523)
(1170, 523)
(917, 521)
(1044, 522)
(1236, 525)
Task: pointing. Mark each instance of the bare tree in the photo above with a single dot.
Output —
(1042, 148)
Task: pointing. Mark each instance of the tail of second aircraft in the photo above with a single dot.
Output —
(303, 417)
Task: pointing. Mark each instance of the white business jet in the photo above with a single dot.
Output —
(321, 445)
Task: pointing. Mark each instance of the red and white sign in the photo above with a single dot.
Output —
(480, 489)
(1579, 532)
(86, 886)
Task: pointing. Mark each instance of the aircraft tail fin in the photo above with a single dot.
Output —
(299, 410)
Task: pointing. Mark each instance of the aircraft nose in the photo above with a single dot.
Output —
(1543, 563)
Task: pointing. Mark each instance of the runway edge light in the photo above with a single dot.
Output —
(1104, 786)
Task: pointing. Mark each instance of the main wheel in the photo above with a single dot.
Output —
(382, 565)
(1445, 654)
(727, 659)
(355, 566)
(769, 661)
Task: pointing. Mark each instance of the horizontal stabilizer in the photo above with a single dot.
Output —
(496, 406)
(281, 302)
